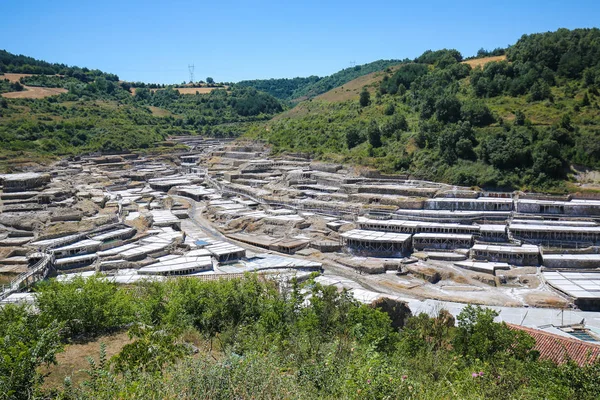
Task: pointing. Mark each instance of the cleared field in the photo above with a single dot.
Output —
(482, 61)
(32, 92)
(351, 90)
(14, 77)
(29, 92)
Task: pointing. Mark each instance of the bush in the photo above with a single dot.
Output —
(86, 307)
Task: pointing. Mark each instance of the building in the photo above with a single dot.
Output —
(377, 242)
(555, 233)
(178, 265)
(561, 349)
(514, 255)
(582, 287)
(442, 241)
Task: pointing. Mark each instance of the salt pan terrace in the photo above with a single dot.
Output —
(583, 287)
(228, 203)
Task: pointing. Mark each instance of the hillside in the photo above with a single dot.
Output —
(521, 122)
(298, 89)
(53, 109)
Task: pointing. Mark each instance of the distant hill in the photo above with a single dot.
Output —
(27, 65)
(282, 88)
(524, 117)
(53, 109)
(529, 119)
(298, 89)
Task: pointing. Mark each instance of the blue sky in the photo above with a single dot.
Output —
(154, 41)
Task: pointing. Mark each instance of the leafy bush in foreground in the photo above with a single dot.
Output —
(303, 343)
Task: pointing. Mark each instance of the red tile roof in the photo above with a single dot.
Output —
(560, 349)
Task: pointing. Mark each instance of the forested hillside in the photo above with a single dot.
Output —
(27, 65)
(282, 88)
(296, 89)
(518, 123)
(521, 122)
(100, 113)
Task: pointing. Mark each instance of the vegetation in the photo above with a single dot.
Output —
(27, 65)
(281, 88)
(8, 86)
(519, 123)
(50, 81)
(100, 113)
(300, 88)
(255, 341)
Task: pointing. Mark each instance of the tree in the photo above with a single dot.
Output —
(456, 141)
(447, 109)
(17, 87)
(374, 134)
(153, 348)
(353, 138)
(86, 306)
(539, 91)
(25, 344)
(389, 109)
(479, 337)
(143, 94)
(210, 80)
(519, 118)
(477, 113)
(365, 98)
(547, 158)
(585, 101)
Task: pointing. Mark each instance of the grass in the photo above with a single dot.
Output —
(31, 92)
(480, 62)
(11, 161)
(74, 360)
(352, 89)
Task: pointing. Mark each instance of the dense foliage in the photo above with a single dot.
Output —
(50, 81)
(255, 341)
(217, 107)
(296, 89)
(8, 86)
(100, 113)
(282, 88)
(27, 65)
(510, 124)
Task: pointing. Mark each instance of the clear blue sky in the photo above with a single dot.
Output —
(154, 41)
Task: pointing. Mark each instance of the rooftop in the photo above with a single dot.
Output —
(376, 236)
(560, 349)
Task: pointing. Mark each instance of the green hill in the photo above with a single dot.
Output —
(518, 123)
(521, 122)
(99, 112)
(297, 89)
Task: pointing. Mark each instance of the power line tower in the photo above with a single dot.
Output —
(353, 63)
(191, 69)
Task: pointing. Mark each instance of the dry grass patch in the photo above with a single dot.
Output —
(159, 112)
(351, 90)
(31, 92)
(545, 299)
(14, 77)
(74, 360)
(480, 62)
